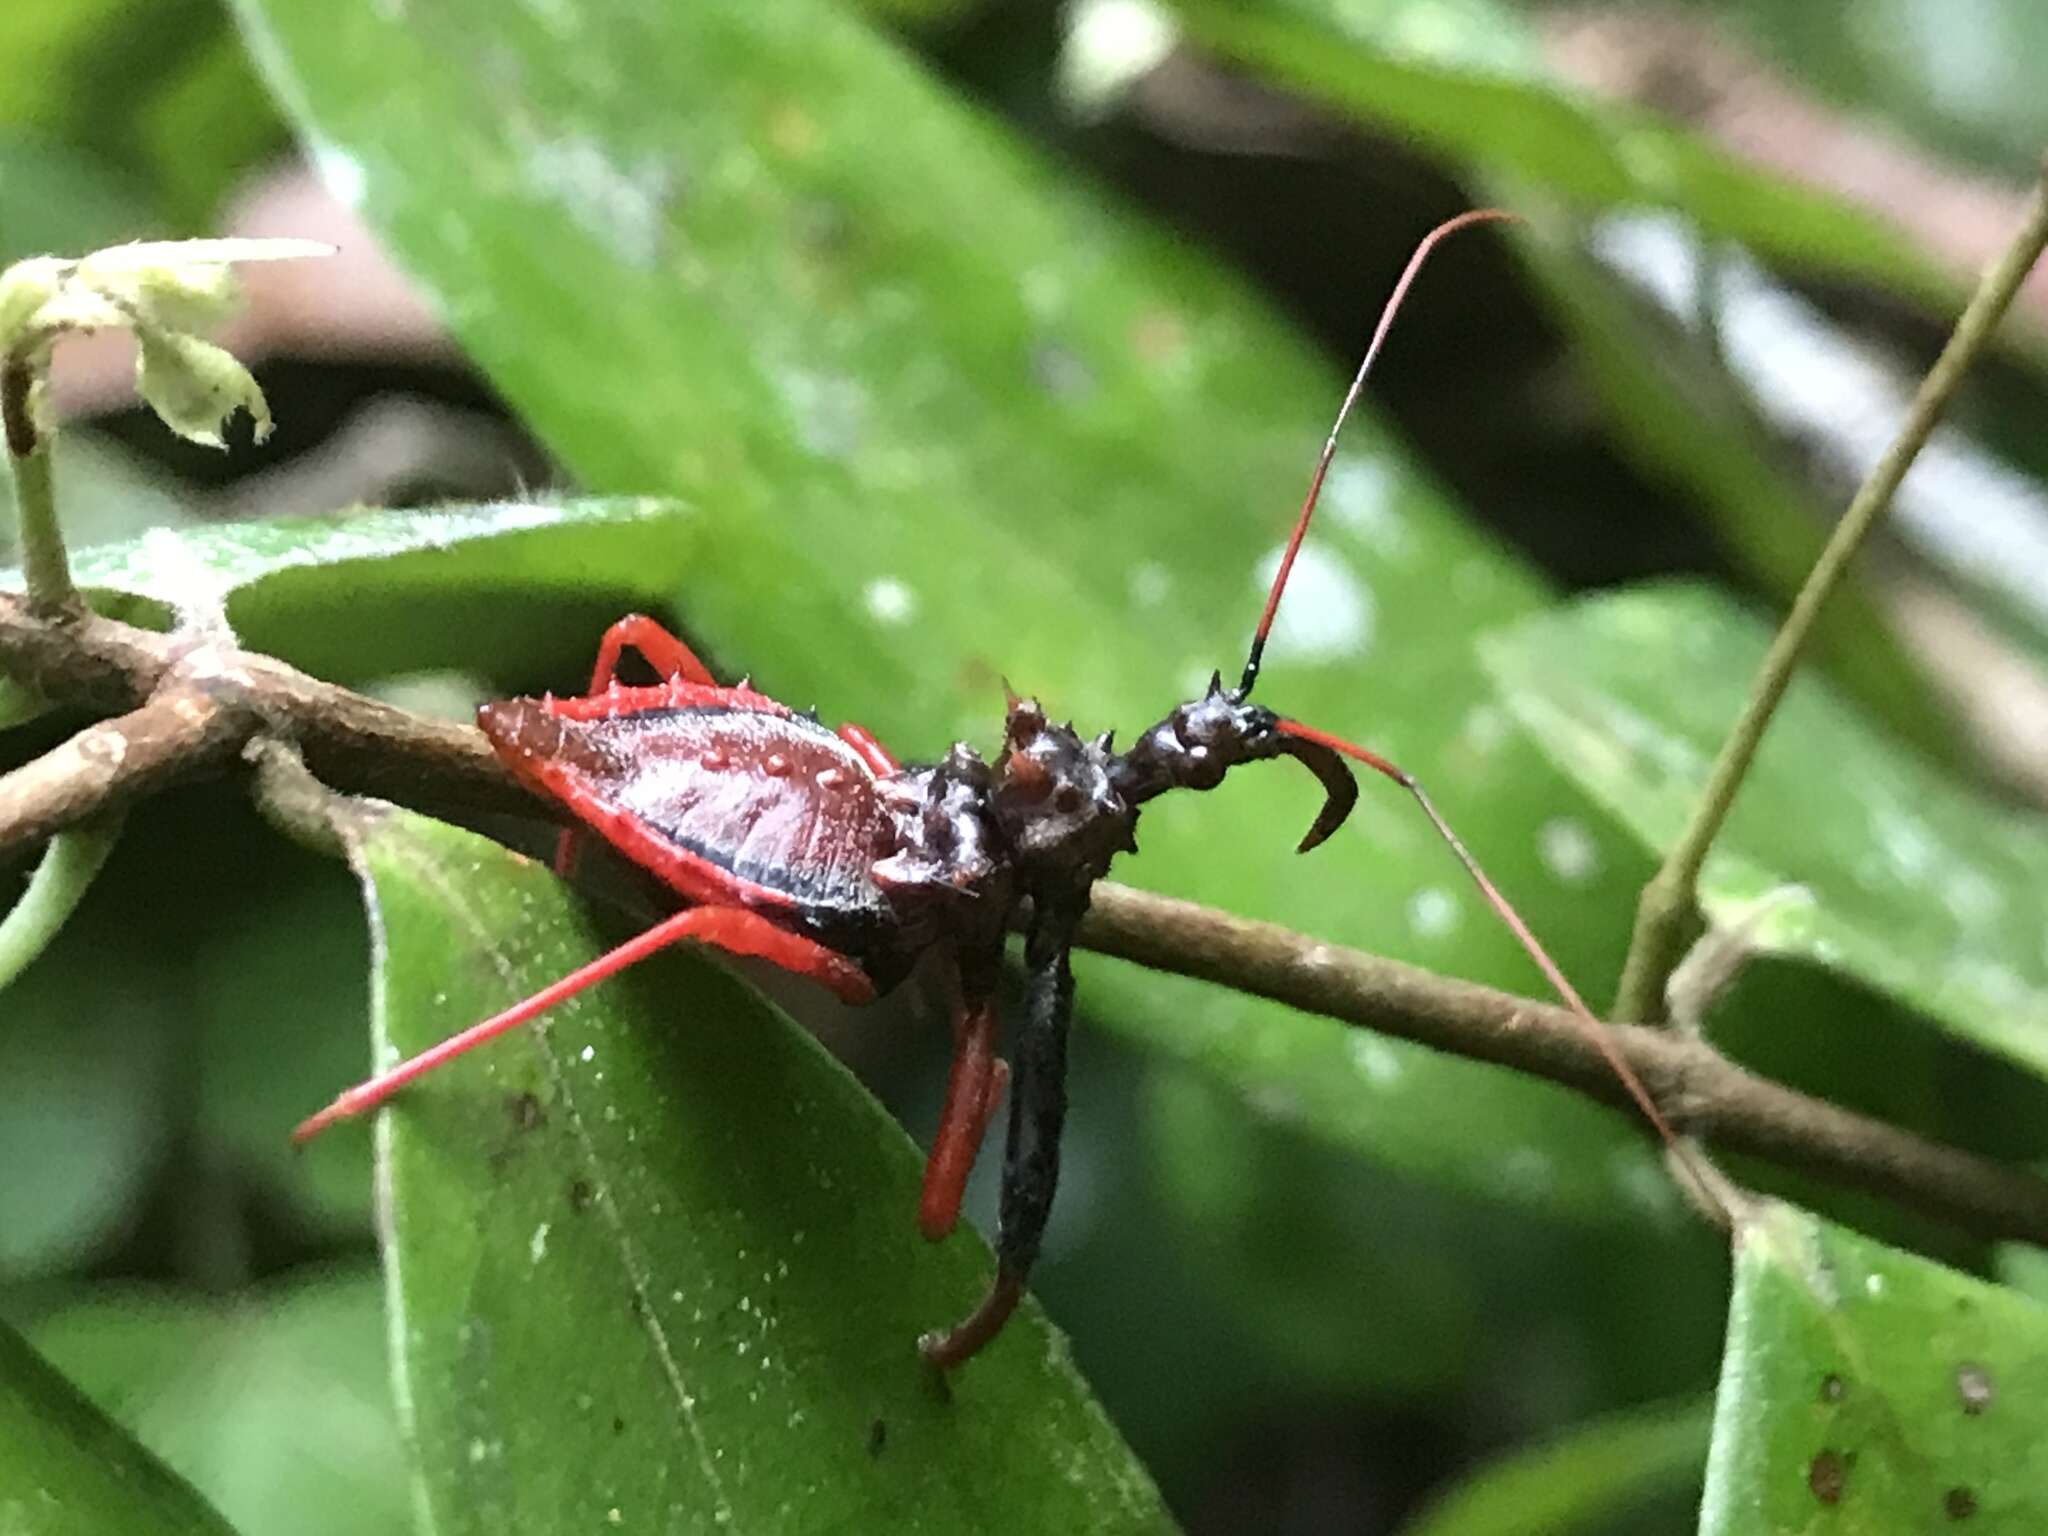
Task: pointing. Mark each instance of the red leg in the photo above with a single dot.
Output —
(877, 756)
(961, 1343)
(664, 652)
(974, 1090)
(568, 849)
(732, 929)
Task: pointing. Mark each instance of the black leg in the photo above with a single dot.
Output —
(1031, 1162)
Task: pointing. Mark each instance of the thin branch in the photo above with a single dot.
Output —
(1666, 917)
(1723, 953)
(352, 742)
(295, 803)
(66, 872)
(177, 735)
(44, 566)
(1702, 1092)
(206, 703)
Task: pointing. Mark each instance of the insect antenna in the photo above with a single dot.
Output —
(1392, 307)
(1596, 1032)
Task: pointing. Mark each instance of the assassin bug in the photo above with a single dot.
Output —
(816, 850)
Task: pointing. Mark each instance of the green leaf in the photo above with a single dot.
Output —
(54, 197)
(296, 932)
(161, 290)
(273, 1404)
(45, 38)
(1293, 1262)
(302, 587)
(948, 420)
(1866, 1390)
(1591, 1473)
(1291, 1241)
(494, 544)
(654, 1262)
(153, 88)
(1917, 888)
(1957, 80)
(207, 122)
(195, 388)
(68, 1470)
(87, 1063)
(1465, 80)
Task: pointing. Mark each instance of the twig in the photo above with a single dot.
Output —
(1702, 1092)
(177, 735)
(1666, 916)
(233, 698)
(67, 870)
(295, 803)
(1713, 965)
(350, 741)
(44, 567)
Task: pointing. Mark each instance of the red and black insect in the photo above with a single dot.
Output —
(816, 850)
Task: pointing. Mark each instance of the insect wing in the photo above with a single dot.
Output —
(724, 794)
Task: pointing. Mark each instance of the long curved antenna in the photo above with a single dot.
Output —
(1429, 243)
(1596, 1031)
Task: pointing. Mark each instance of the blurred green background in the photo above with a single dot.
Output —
(988, 340)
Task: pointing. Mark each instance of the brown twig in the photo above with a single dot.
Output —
(296, 804)
(1702, 1092)
(193, 707)
(176, 735)
(350, 741)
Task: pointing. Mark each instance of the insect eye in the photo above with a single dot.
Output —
(1067, 800)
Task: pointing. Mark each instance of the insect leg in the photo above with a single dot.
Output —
(568, 849)
(1031, 1161)
(663, 651)
(973, 1090)
(731, 929)
(877, 756)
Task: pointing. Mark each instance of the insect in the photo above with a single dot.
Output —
(815, 850)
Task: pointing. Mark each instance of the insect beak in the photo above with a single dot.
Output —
(1340, 790)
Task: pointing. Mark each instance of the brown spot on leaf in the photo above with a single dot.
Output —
(1825, 1475)
(1973, 1386)
(526, 1112)
(580, 1195)
(1831, 1388)
(1159, 338)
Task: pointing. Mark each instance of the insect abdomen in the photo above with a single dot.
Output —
(721, 800)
